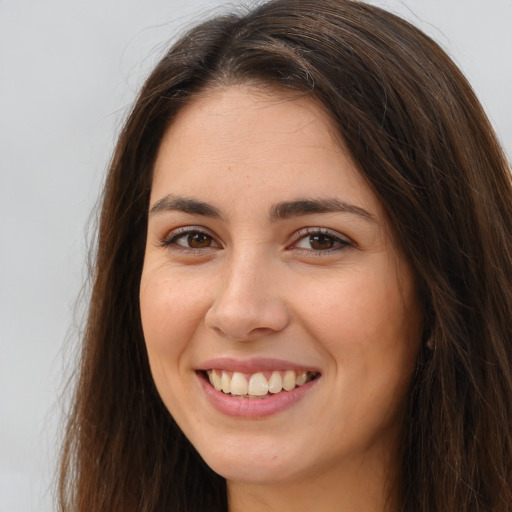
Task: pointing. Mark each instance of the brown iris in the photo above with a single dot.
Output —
(199, 240)
(321, 242)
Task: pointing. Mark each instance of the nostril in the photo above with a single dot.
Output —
(244, 317)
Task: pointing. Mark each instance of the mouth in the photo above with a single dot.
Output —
(258, 385)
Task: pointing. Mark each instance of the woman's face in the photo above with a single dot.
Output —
(270, 268)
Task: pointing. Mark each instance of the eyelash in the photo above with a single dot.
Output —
(338, 241)
(172, 238)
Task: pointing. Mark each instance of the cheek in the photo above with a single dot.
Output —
(361, 307)
(367, 324)
(170, 317)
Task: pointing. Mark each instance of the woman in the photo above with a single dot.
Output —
(303, 290)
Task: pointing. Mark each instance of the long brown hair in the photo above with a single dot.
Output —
(425, 146)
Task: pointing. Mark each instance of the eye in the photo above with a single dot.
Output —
(320, 240)
(190, 238)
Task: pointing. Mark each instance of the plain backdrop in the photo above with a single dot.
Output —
(68, 72)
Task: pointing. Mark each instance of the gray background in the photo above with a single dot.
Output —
(68, 71)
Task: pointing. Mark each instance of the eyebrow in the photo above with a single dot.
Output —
(279, 211)
(184, 204)
(288, 209)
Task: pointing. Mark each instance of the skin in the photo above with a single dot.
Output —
(259, 287)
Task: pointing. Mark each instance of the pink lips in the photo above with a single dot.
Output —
(247, 407)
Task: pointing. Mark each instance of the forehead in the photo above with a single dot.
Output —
(253, 115)
(237, 139)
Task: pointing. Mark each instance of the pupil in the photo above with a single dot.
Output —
(321, 242)
(198, 240)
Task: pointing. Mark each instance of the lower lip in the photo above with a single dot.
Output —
(254, 407)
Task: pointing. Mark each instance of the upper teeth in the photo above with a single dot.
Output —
(256, 384)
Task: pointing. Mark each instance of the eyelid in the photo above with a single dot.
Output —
(167, 240)
(311, 231)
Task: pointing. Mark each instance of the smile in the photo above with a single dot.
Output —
(259, 384)
(256, 387)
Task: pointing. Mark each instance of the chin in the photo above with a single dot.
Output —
(260, 464)
(249, 472)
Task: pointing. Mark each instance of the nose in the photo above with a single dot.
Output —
(249, 302)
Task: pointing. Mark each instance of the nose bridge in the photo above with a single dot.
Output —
(248, 302)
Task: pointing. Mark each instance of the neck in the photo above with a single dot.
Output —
(362, 486)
